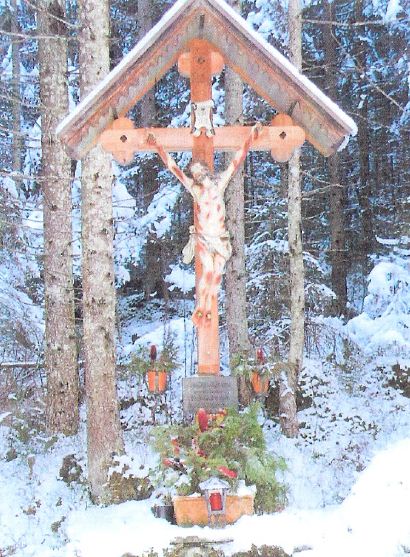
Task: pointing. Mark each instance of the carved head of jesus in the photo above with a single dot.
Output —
(199, 172)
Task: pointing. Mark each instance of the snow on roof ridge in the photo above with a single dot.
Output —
(141, 46)
(286, 66)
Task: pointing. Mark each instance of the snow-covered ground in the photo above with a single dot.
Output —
(373, 521)
(348, 473)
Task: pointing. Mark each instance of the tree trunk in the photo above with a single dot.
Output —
(235, 281)
(153, 272)
(145, 23)
(103, 423)
(15, 55)
(60, 338)
(363, 189)
(289, 376)
(337, 198)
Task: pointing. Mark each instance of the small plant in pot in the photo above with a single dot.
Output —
(153, 365)
(228, 445)
(256, 368)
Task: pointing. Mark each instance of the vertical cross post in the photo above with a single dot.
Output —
(203, 150)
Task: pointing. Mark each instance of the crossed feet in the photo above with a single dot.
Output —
(200, 317)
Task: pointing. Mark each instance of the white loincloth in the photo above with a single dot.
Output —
(214, 244)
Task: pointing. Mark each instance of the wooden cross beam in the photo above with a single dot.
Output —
(281, 138)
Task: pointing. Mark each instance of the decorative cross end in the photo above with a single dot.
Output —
(288, 137)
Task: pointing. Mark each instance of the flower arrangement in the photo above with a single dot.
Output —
(248, 362)
(149, 359)
(155, 366)
(228, 445)
(256, 368)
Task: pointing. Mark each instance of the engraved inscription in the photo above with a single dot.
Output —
(210, 392)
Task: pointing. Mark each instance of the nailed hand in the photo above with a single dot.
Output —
(257, 128)
(151, 140)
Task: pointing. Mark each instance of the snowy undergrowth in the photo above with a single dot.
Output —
(35, 500)
(347, 476)
(333, 481)
(349, 421)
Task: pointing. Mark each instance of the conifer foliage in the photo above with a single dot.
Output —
(231, 446)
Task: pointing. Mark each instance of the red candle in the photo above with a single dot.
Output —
(215, 500)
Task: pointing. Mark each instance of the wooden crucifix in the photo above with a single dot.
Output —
(200, 64)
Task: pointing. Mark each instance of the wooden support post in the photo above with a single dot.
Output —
(203, 150)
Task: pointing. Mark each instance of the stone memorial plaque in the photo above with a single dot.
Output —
(211, 392)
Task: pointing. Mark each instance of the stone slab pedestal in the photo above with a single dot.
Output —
(211, 392)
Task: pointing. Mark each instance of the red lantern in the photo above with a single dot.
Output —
(215, 500)
(260, 384)
(215, 491)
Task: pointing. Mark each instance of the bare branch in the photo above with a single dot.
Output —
(34, 36)
(377, 22)
(67, 23)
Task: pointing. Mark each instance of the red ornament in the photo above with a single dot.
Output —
(203, 419)
(153, 353)
(227, 472)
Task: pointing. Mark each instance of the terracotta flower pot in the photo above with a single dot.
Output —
(193, 510)
(260, 384)
(157, 381)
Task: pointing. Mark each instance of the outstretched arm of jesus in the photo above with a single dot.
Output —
(169, 162)
(240, 156)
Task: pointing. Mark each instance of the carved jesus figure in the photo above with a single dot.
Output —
(209, 236)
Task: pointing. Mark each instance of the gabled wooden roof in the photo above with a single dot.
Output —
(267, 71)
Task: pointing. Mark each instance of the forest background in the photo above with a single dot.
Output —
(356, 205)
(366, 65)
